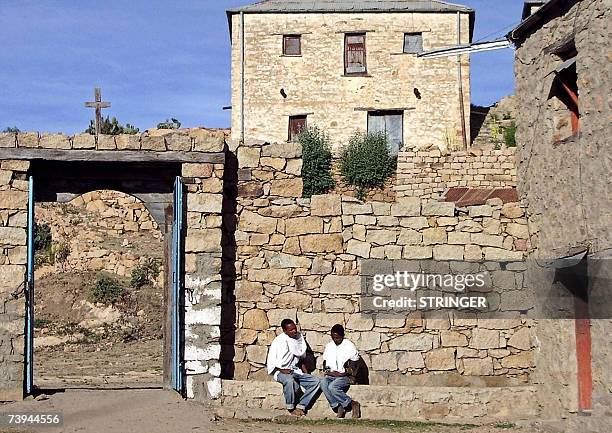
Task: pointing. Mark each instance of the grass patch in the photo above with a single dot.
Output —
(399, 426)
(505, 425)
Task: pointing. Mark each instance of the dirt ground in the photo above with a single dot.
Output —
(161, 411)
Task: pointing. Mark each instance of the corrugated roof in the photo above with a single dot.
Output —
(464, 196)
(289, 6)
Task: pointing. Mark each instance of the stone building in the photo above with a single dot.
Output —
(564, 166)
(349, 66)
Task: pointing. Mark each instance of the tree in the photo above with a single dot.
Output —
(111, 127)
(12, 129)
(169, 124)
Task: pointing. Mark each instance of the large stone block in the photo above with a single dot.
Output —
(13, 199)
(327, 243)
(356, 208)
(440, 359)
(8, 139)
(252, 222)
(287, 188)
(153, 143)
(255, 319)
(84, 141)
(27, 139)
(12, 236)
(486, 240)
(11, 277)
(438, 208)
(448, 252)
(178, 141)
(512, 210)
(341, 285)
(127, 142)
(415, 252)
(248, 157)
(521, 339)
(54, 141)
(207, 140)
(385, 361)
(359, 322)
(358, 248)
(477, 366)
(412, 342)
(203, 241)
(381, 237)
(498, 254)
(407, 207)
(485, 339)
(205, 203)
(435, 235)
(319, 321)
(326, 205)
(248, 290)
(282, 150)
(282, 260)
(201, 170)
(520, 360)
(303, 226)
(282, 277)
(411, 361)
(293, 300)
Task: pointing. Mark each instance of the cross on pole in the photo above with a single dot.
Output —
(98, 105)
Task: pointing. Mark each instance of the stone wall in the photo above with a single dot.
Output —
(158, 140)
(301, 258)
(565, 185)
(429, 173)
(13, 252)
(425, 89)
(104, 230)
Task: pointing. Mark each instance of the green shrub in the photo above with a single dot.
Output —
(61, 252)
(112, 127)
(317, 161)
(42, 237)
(106, 290)
(366, 162)
(145, 273)
(510, 134)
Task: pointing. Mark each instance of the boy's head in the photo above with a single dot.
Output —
(337, 334)
(289, 328)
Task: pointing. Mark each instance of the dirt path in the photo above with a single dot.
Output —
(159, 411)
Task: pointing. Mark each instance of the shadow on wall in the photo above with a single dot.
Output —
(228, 266)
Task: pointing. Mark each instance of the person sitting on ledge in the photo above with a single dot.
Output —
(338, 353)
(283, 362)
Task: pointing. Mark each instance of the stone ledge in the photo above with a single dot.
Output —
(254, 399)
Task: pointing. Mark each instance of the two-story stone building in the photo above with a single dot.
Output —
(348, 66)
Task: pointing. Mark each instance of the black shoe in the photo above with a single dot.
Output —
(356, 409)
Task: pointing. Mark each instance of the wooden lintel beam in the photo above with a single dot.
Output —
(110, 155)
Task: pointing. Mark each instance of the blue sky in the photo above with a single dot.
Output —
(156, 59)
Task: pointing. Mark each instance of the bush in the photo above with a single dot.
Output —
(510, 134)
(145, 273)
(61, 252)
(106, 290)
(42, 237)
(112, 127)
(366, 162)
(317, 161)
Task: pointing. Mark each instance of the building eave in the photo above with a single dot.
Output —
(537, 19)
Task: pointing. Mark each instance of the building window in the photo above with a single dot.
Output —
(296, 125)
(413, 43)
(392, 124)
(292, 45)
(563, 97)
(355, 54)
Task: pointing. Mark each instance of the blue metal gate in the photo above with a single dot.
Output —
(29, 296)
(177, 284)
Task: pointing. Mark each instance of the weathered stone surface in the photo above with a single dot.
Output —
(287, 188)
(206, 203)
(255, 319)
(201, 170)
(353, 208)
(414, 252)
(480, 211)
(520, 360)
(486, 240)
(381, 237)
(368, 341)
(207, 140)
(521, 339)
(282, 277)
(277, 315)
(105, 142)
(385, 361)
(485, 339)
(54, 141)
(319, 321)
(153, 143)
(248, 157)
(248, 290)
(341, 284)
(12, 236)
(304, 225)
(411, 361)
(415, 223)
(338, 305)
(440, 359)
(448, 252)
(84, 141)
(520, 231)
(359, 322)
(414, 342)
(11, 277)
(477, 366)
(27, 139)
(257, 354)
(407, 207)
(358, 248)
(294, 167)
(281, 260)
(8, 139)
(127, 142)
(13, 199)
(438, 208)
(282, 150)
(245, 336)
(469, 226)
(330, 243)
(326, 205)
(203, 240)
(321, 267)
(178, 141)
(293, 299)
(453, 339)
(252, 222)
(434, 236)
(15, 165)
(512, 210)
(498, 254)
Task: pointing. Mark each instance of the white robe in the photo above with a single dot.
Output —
(336, 356)
(285, 353)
